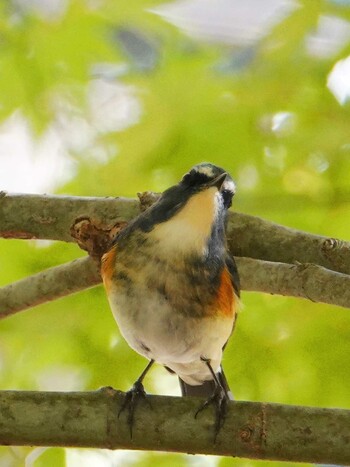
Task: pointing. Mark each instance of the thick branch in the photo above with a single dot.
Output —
(304, 280)
(252, 429)
(254, 237)
(48, 285)
(51, 217)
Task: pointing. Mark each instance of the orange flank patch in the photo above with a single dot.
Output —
(107, 266)
(226, 296)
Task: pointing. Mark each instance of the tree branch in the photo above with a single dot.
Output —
(51, 217)
(252, 429)
(307, 281)
(48, 285)
(93, 222)
(257, 238)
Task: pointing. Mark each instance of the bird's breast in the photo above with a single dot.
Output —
(168, 307)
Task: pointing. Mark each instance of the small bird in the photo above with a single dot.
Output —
(174, 289)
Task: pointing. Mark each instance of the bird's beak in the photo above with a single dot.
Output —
(218, 181)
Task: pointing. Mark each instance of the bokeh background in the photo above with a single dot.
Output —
(105, 97)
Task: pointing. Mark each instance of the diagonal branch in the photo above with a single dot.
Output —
(303, 280)
(257, 238)
(51, 217)
(48, 285)
(252, 429)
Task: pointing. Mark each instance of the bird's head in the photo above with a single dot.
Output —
(204, 177)
(191, 213)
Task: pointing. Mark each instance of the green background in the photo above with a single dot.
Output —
(199, 102)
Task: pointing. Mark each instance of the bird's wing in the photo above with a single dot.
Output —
(232, 268)
(207, 388)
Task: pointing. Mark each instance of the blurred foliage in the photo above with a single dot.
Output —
(262, 111)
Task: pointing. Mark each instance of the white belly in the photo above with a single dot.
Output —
(153, 329)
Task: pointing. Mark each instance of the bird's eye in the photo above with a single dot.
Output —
(188, 177)
(227, 198)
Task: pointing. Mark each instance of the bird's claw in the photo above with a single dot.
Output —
(130, 402)
(219, 399)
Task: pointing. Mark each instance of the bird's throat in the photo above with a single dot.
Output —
(189, 230)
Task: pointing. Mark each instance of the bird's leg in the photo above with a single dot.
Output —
(133, 395)
(219, 398)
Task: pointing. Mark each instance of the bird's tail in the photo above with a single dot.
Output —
(207, 388)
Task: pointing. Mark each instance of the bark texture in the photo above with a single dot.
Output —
(51, 217)
(271, 258)
(252, 429)
(48, 285)
(308, 281)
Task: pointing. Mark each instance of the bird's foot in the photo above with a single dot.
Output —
(131, 400)
(219, 399)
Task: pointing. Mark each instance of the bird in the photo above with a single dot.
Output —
(174, 288)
